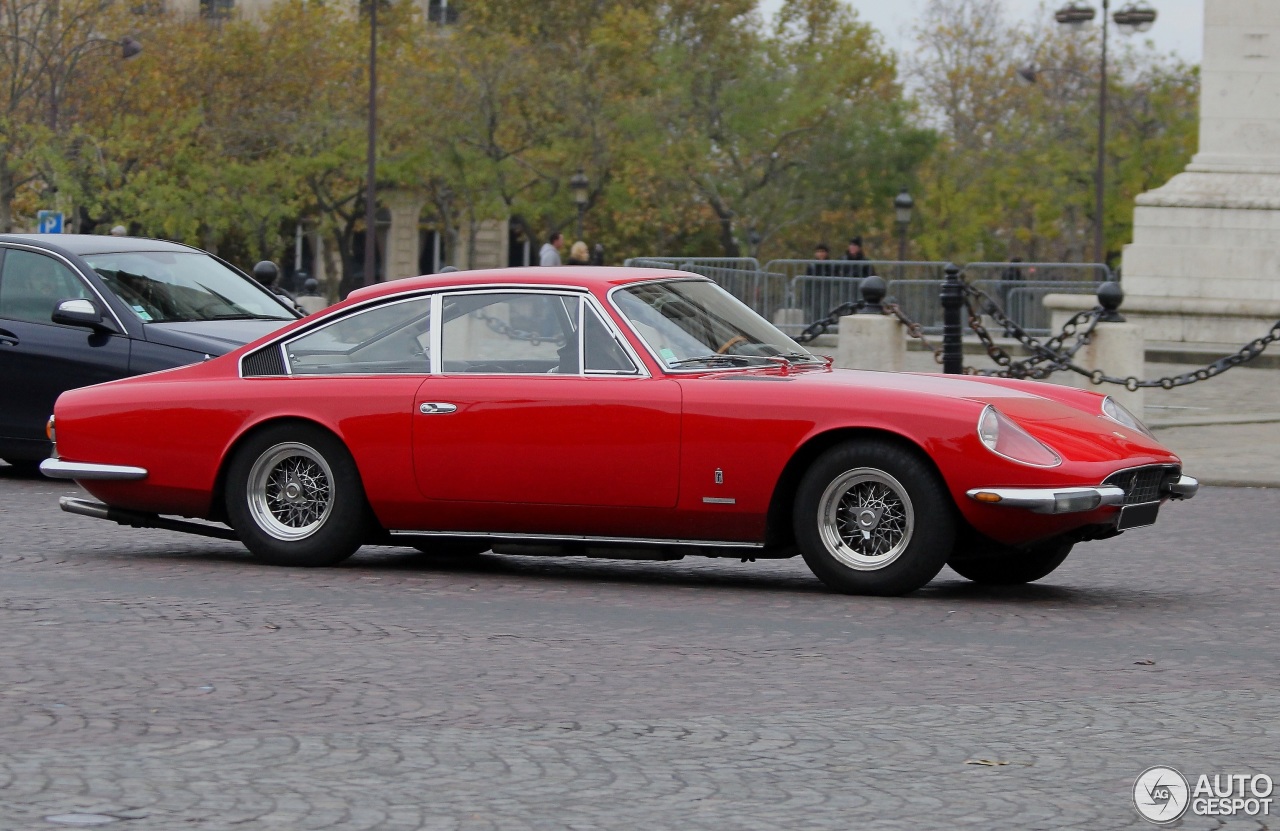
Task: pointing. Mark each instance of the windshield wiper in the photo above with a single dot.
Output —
(802, 358)
(243, 316)
(714, 360)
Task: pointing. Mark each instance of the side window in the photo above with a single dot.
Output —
(603, 352)
(393, 339)
(31, 285)
(510, 333)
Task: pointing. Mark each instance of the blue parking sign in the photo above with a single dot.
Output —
(50, 222)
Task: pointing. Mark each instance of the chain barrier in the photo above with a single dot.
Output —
(1046, 357)
(820, 327)
(503, 328)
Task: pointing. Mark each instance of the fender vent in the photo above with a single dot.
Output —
(265, 361)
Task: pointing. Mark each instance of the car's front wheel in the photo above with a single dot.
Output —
(1002, 565)
(295, 498)
(873, 517)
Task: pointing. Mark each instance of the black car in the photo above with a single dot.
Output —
(79, 309)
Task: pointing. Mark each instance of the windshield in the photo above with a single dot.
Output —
(697, 324)
(172, 286)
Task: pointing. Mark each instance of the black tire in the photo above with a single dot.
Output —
(1002, 565)
(295, 498)
(906, 513)
(453, 547)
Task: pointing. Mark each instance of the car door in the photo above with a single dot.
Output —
(536, 400)
(40, 359)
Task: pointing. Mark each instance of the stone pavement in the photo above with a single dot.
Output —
(168, 682)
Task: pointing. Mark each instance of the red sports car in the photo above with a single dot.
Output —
(606, 412)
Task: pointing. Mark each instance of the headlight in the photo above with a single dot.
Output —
(1117, 412)
(1004, 437)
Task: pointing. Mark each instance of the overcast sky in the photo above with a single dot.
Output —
(1179, 27)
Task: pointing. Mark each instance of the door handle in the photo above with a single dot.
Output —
(8, 337)
(436, 408)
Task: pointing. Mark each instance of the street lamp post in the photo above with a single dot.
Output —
(1133, 17)
(902, 207)
(581, 188)
(371, 156)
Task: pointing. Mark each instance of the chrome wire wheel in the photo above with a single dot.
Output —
(290, 491)
(865, 519)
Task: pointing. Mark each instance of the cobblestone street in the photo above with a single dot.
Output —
(170, 682)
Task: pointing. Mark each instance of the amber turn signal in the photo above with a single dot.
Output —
(49, 432)
(987, 496)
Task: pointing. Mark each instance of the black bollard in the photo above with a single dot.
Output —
(952, 301)
(873, 289)
(1110, 296)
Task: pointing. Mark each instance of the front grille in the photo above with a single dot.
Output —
(266, 361)
(1142, 484)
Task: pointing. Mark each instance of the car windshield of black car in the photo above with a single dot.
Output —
(172, 286)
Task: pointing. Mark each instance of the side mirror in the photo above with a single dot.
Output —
(80, 312)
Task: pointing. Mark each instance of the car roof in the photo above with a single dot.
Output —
(589, 277)
(94, 243)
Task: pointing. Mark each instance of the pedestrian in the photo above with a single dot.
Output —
(310, 300)
(855, 254)
(597, 254)
(550, 253)
(119, 231)
(578, 254)
(822, 266)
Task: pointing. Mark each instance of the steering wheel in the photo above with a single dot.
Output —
(730, 343)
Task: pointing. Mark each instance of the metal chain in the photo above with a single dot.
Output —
(1050, 353)
(820, 327)
(1049, 356)
(503, 328)
(914, 329)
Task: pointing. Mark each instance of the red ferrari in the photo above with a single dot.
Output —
(607, 412)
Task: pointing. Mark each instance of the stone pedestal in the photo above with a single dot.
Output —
(1117, 349)
(405, 207)
(871, 342)
(1204, 265)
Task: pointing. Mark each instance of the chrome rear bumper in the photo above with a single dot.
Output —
(62, 469)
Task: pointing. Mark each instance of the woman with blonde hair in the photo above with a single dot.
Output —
(578, 253)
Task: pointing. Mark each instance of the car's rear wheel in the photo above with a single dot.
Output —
(295, 498)
(1001, 565)
(873, 517)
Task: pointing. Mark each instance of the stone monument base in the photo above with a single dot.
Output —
(1181, 319)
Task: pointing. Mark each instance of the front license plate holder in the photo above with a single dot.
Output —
(1138, 516)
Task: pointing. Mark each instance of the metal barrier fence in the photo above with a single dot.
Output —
(815, 287)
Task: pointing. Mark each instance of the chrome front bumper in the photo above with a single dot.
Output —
(62, 469)
(1072, 500)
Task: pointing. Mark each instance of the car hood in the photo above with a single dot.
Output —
(1067, 419)
(212, 337)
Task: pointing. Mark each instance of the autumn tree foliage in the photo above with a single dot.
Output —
(704, 128)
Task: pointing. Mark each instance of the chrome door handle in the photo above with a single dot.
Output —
(436, 408)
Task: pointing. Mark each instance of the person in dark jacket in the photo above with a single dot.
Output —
(823, 267)
(855, 254)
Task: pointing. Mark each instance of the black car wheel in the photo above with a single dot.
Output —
(294, 496)
(1002, 565)
(872, 517)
